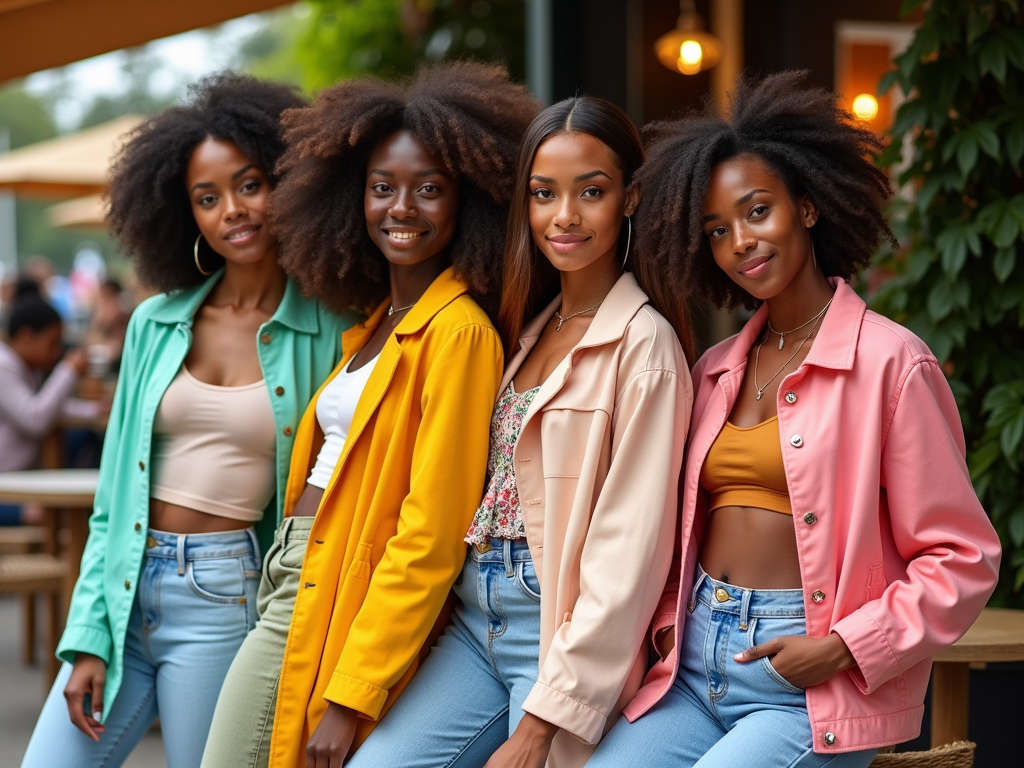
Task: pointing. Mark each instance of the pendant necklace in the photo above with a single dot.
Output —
(782, 334)
(757, 356)
(392, 310)
(571, 315)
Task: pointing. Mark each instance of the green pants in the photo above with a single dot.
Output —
(244, 718)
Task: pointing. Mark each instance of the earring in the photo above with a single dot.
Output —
(195, 252)
(629, 237)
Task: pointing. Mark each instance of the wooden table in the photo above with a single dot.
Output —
(69, 490)
(997, 635)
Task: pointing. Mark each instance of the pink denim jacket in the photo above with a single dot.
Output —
(896, 553)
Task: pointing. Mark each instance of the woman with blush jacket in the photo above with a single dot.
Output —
(390, 457)
(823, 560)
(572, 540)
(215, 374)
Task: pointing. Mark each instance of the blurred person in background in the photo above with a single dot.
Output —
(29, 407)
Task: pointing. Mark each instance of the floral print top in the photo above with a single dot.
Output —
(499, 513)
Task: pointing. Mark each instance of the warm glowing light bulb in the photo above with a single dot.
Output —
(691, 55)
(865, 107)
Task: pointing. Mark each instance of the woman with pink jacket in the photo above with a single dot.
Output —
(573, 539)
(831, 541)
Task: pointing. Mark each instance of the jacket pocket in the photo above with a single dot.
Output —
(876, 582)
(360, 567)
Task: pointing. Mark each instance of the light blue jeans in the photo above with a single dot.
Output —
(720, 713)
(467, 697)
(196, 602)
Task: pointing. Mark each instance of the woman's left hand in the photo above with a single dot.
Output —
(803, 661)
(527, 747)
(331, 740)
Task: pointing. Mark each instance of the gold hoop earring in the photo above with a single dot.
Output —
(629, 237)
(195, 253)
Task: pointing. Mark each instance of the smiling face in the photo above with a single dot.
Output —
(411, 202)
(758, 234)
(577, 201)
(229, 196)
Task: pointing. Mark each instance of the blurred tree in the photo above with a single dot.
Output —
(959, 282)
(345, 38)
(138, 97)
(25, 117)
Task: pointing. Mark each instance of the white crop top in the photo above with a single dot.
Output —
(214, 448)
(334, 410)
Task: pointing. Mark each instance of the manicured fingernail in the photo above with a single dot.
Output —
(97, 715)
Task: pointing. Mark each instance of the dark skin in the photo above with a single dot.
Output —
(229, 196)
(578, 199)
(411, 205)
(760, 237)
(42, 350)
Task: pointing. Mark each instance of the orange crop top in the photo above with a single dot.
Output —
(744, 469)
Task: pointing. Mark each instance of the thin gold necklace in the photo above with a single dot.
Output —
(782, 334)
(392, 310)
(757, 356)
(571, 315)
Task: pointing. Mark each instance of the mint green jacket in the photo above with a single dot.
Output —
(298, 347)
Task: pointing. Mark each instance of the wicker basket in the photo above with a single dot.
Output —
(959, 754)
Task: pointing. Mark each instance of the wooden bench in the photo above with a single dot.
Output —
(29, 575)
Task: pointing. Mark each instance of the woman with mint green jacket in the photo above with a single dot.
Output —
(215, 375)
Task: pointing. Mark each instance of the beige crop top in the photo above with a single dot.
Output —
(214, 448)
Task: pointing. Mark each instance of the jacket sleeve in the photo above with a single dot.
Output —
(632, 526)
(940, 530)
(88, 628)
(411, 582)
(31, 413)
(665, 613)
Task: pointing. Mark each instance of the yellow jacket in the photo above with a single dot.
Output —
(387, 543)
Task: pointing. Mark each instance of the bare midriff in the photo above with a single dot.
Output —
(172, 518)
(751, 547)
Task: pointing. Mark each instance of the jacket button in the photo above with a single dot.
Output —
(830, 738)
(127, 585)
(817, 596)
(265, 338)
(142, 466)
(138, 527)
(810, 518)
(791, 397)
(287, 431)
(278, 391)
(796, 441)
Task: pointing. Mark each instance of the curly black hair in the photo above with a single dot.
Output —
(150, 213)
(471, 115)
(802, 134)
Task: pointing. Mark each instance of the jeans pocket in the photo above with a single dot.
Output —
(762, 630)
(219, 580)
(526, 578)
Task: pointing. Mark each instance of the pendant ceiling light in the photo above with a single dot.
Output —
(688, 48)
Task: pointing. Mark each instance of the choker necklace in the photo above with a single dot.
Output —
(757, 357)
(561, 320)
(392, 310)
(782, 334)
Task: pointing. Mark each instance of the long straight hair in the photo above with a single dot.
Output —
(530, 281)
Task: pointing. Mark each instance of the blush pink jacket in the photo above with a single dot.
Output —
(597, 467)
(896, 553)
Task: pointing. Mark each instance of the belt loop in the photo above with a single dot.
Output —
(181, 554)
(745, 607)
(286, 526)
(506, 553)
(696, 586)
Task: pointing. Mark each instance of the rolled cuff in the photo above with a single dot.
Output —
(80, 638)
(366, 698)
(571, 715)
(876, 661)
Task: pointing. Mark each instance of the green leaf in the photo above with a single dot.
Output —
(1016, 526)
(889, 79)
(940, 300)
(1011, 435)
(1015, 144)
(988, 140)
(977, 25)
(993, 59)
(1003, 263)
(952, 242)
(967, 152)
(979, 461)
(918, 262)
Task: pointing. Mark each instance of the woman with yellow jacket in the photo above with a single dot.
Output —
(574, 534)
(390, 456)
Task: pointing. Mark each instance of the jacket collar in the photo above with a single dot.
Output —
(439, 294)
(835, 346)
(623, 301)
(294, 311)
